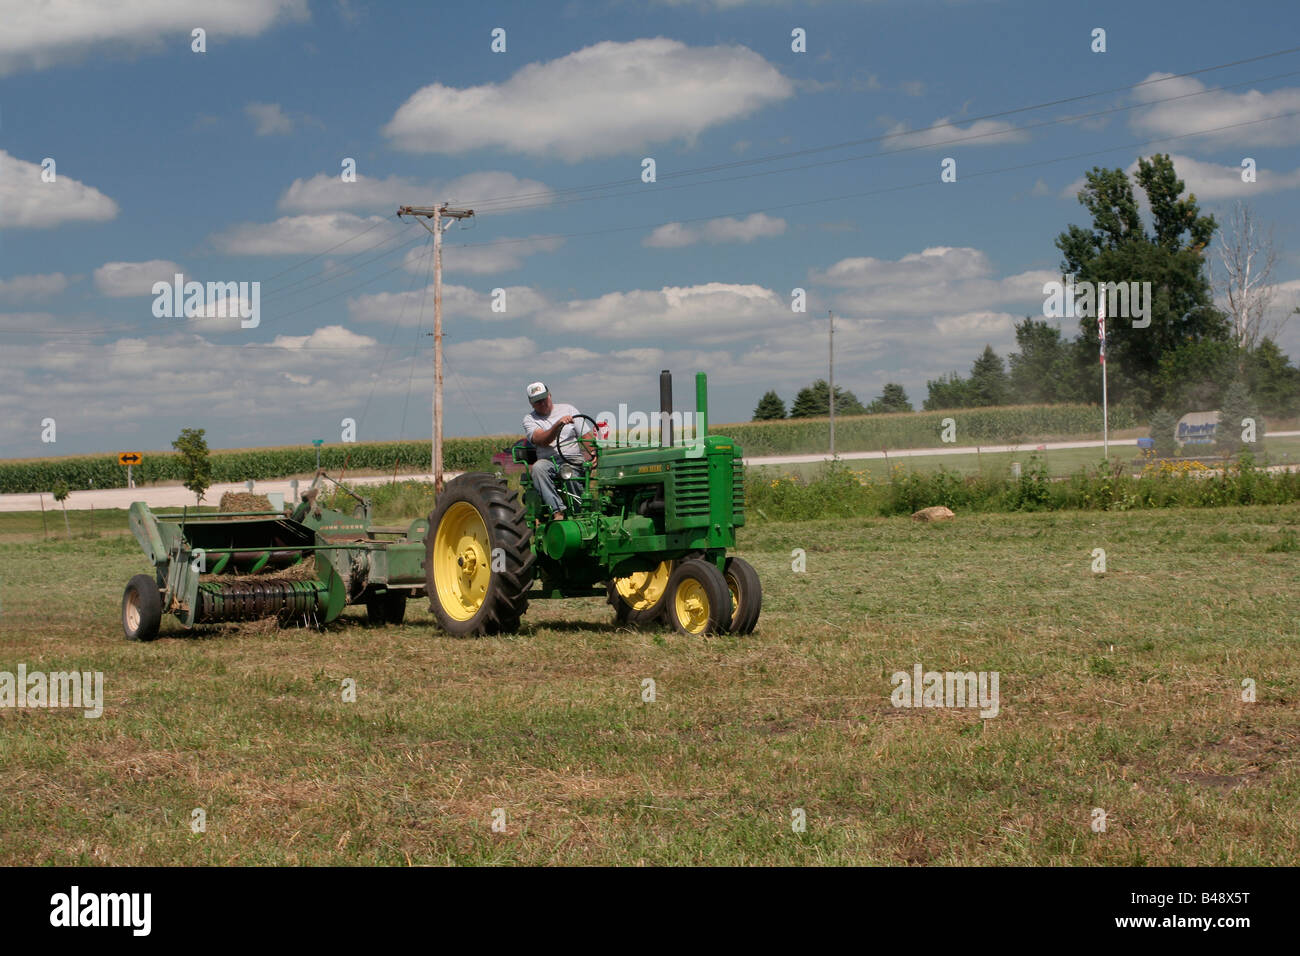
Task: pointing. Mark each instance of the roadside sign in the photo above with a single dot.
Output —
(130, 458)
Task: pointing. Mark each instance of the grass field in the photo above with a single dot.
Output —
(1120, 691)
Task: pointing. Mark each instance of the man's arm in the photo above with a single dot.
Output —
(544, 436)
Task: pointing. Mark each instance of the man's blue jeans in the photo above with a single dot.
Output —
(543, 470)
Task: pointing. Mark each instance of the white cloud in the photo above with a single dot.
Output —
(121, 279)
(40, 35)
(326, 192)
(28, 202)
(327, 337)
(458, 301)
(726, 229)
(941, 282)
(501, 255)
(1213, 110)
(292, 235)
(269, 119)
(603, 100)
(1208, 181)
(979, 133)
(708, 313)
(20, 288)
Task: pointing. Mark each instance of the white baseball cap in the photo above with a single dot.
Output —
(536, 392)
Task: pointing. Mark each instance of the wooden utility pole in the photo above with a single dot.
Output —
(832, 382)
(437, 213)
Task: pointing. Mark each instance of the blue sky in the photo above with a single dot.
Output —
(225, 165)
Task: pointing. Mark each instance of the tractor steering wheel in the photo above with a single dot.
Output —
(562, 448)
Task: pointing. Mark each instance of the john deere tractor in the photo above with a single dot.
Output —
(646, 526)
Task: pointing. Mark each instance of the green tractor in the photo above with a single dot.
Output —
(646, 526)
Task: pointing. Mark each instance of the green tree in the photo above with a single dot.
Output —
(60, 493)
(892, 399)
(769, 407)
(947, 391)
(1194, 376)
(195, 466)
(1118, 248)
(1273, 380)
(1163, 424)
(814, 401)
(1237, 405)
(1031, 379)
(988, 380)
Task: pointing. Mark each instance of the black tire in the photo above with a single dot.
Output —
(746, 594)
(627, 615)
(500, 596)
(386, 609)
(701, 587)
(141, 608)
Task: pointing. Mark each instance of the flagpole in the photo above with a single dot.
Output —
(1105, 408)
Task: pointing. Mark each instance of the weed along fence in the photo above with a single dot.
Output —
(1011, 425)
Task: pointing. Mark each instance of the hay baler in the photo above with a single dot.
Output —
(647, 526)
(303, 567)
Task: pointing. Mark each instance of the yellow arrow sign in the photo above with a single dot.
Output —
(130, 458)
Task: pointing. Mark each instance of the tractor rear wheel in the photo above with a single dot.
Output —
(698, 600)
(746, 594)
(638, 599)
(478, 557)
(141, 608)
(389, 608)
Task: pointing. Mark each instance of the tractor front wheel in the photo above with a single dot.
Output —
(141, 608)
(478, 557)
(638, 599)
(698, 600)
(746, 594)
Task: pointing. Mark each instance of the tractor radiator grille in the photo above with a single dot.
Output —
(737, 489)
(691, 488)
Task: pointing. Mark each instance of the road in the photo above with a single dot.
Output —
(175, 496)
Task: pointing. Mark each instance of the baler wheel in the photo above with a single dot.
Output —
(478, 557)
(638, 599)
(698, 600)
(141, 608)
(746, 595)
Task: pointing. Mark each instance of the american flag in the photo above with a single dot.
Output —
(1101, 334)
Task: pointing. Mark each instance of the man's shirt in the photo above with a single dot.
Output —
(534, 422)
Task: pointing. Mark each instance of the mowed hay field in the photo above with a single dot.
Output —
(1120, 691)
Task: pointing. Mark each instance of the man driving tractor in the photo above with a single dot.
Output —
(548, 426)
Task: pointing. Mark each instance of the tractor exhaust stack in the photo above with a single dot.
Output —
(665, 408)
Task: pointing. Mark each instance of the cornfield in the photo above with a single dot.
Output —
(1007, 425)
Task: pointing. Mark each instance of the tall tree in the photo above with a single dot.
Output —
(988, 379)
(1244, 281)
(815, 401)
(769, 407)
(1119, 249)
(892, 399)
(1031, 378)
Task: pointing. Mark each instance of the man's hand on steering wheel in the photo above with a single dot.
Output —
(587, 447)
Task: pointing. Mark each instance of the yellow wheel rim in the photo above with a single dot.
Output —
(644, 589)
(462, 561)
(692, 603)
(735, 596)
